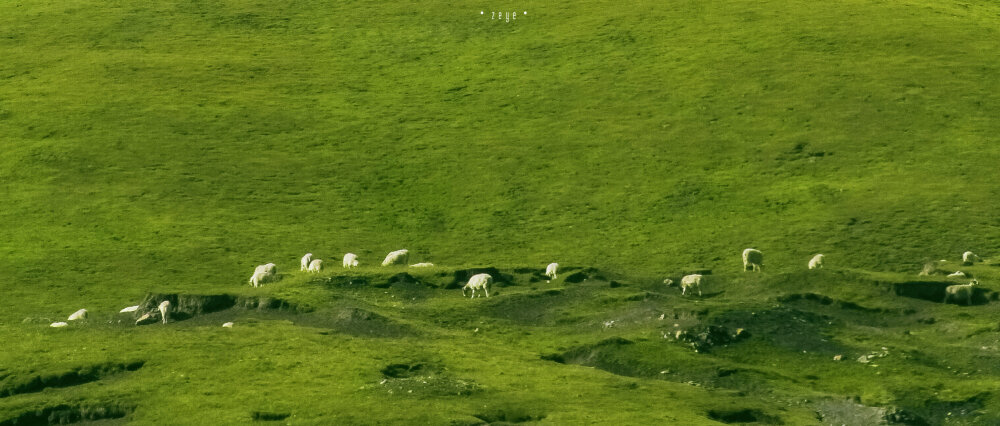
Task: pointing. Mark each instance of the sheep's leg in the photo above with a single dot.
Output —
(684, 290)
(487, 291)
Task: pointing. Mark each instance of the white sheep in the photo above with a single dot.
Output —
(479, 281)
(263, 273)
(228, 325)
(550, 271)
(129, 309)
(316, 265)
(957, 274)
(78, 315)
(305, 261)
(929, 269)
(350, 260)
(58, 324)
(258, 278)
(753, 258)
(267, 268)
(969, 258)
(422, 265)
(164, 310)
(693, 280)
(398, 257)
(816, 262)
(960, 291)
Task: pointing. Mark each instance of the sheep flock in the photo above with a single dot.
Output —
(753, 261)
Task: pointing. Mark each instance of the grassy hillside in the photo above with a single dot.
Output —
(170, 147)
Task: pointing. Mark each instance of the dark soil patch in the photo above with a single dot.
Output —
(13, 385)
(785, 327)
(186, 306)
(824, 300)
(745, 415)
(509, 415)
(528, 308)
(365, 323)
(399, 371)
(461, 276)
(608, 355)
(934, 291)
(704, 337)
(264, 416)
(66, 414)
(936, 411)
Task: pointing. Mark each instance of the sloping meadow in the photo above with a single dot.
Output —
(161, 151)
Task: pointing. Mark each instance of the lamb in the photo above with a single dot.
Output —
(693, 280)
(753, 260)
(164, 310)
(422, 265)
(350, 260)
(129, 309)
(550, 271)
(816, 262)
(78, 315)
(479, 281)
(969, 258)
(315, 265)
(398, 257)
(960, 291)
(305, 261)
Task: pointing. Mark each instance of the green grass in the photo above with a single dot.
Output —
(171, 147)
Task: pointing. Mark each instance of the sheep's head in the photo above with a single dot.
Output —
(974, 282)
(668, 282)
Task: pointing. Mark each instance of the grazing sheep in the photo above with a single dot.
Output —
(257, 279)
(164, 310)
(969, 258)
(78, 315)
(550, 271)
(228, 325)
(129, 309)
(267, 268)
(960, 291)
(350, 260)
(816, 262)
(315, 265)
(422, 265)
(693, 280)
(146, 318)
(930, 268)
(753, 260)
(958, 274)
(58, 324)
(263, 273)
(479, 281)
(305, 261)
(398, 257)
